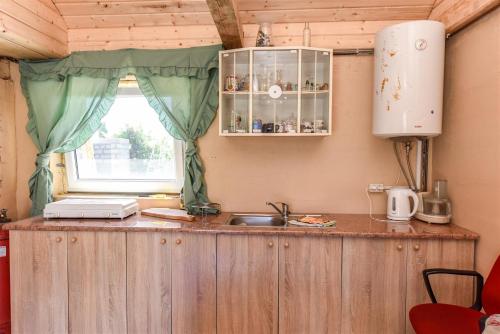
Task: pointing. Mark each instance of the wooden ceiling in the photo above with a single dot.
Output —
(52, 28)
(112, 13)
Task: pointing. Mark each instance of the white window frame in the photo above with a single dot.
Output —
(137, 186)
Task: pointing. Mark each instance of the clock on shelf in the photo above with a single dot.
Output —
(275, 91)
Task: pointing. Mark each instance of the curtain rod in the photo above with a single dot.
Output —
(14, 60)
(351, 52)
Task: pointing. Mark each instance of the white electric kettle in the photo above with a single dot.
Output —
(398, 203)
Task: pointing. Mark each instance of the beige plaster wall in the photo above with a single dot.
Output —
(327, 174)
(468, 152)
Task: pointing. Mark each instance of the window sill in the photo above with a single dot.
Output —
(145, 201)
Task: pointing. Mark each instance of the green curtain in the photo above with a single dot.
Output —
(63, 115)
(186, 107)
(67, 99)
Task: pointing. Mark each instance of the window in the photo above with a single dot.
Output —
(130, 153)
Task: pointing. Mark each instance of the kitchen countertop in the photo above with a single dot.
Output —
(348, 225)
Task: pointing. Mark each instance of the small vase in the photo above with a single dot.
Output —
(264, 35)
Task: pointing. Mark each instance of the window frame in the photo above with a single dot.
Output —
(127, 186)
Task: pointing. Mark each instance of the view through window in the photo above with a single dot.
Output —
(131, 146)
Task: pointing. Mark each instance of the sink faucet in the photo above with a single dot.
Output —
(284, 212)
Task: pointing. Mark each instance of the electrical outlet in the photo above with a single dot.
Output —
(376, 187)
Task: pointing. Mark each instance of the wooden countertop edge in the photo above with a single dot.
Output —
(348, 225)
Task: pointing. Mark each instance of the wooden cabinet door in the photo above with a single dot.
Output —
(194, 283)
(373, 285)
(97, 282)
(310, 273)
(247, 284)
(39, 282)
(148, 282)
(450, 289)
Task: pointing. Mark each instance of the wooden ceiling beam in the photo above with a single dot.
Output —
(225, 15)
(457, 14)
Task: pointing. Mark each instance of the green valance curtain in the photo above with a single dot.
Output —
(67, 99)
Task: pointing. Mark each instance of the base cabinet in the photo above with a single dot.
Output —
(310, 272)
(194, 286)
(247, 284)
(97, 272)
(164, 282)
(38, 280)
(373, 286)
(450, 289)
(382, 280)
(149, 293)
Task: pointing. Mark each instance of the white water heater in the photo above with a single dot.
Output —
(408, 88)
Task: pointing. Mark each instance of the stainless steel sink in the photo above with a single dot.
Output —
(256, 220)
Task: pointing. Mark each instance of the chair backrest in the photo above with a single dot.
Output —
(491, 291)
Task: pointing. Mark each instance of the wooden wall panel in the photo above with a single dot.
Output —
(8, 170)
(31, 25)
(457, 14)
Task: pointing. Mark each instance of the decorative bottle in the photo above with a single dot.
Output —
(306, 35)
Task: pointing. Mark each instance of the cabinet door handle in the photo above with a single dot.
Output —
(287, 245)
(399, 247)
(270, 244)
(58, 239)
(178, 241)
(74, 239)
(163, 241)
(416, 247)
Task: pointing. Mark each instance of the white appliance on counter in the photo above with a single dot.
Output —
(398, 203)
(91, 208)
(409, 74)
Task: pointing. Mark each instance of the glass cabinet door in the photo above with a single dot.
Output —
(235, 88)
(315, 89)
(275, 91)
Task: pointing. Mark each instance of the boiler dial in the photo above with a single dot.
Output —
(421, 44)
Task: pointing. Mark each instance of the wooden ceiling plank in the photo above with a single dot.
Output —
(138, 20)
(225, 16)
(56, 2)
(333, 15)
(326, 4)
(22, 34)
(457, 14)
(10, 49)
(48, 13)
(136, 7)
(163, 44)
(320, 28)
(360, 41)
(142, 33)
(28, 17)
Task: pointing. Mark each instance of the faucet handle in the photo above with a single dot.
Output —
(284, 207)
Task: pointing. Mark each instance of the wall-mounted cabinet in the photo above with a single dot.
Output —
(276, 91)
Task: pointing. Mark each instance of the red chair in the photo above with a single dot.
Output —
(444, 318)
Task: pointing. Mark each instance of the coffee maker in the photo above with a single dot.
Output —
(435, 207)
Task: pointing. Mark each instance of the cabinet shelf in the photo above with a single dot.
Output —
(250, 99)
